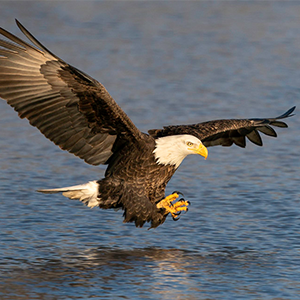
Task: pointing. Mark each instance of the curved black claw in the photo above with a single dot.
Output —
(179, 193)
(175, 219)
(183, 200)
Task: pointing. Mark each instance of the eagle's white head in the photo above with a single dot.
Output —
(171, 150)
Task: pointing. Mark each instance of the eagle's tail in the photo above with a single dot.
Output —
(87, 193)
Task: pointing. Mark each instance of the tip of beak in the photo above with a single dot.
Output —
(203, 151)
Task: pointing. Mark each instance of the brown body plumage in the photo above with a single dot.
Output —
(77, 113)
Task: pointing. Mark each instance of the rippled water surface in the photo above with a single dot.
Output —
(164, 63)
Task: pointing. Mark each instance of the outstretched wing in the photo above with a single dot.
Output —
(70, 108)
(227, 132)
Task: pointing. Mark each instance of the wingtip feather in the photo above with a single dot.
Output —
(287, 114)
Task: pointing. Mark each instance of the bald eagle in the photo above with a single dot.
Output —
(77, 113)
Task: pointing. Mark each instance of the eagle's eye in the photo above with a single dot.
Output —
(190, 144)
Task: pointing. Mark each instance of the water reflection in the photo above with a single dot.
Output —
(162, 273)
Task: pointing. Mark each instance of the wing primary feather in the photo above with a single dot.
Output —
(287, 114)
(267, 130)
(34, 40)
(254, 137)
(240, 141)
(18, 41)
(10, 46)
(279, 124)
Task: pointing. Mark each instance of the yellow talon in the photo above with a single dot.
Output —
(174, 209)
(181, 203)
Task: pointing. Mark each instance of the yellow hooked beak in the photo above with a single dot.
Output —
(202, 150)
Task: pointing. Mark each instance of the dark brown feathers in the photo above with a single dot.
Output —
(70, 108)
(227, 132)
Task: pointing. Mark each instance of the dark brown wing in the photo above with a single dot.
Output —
(227, 132)
(70, 108)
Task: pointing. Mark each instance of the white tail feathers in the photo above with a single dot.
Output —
(87, 193)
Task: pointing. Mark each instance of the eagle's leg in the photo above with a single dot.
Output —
(176, 208)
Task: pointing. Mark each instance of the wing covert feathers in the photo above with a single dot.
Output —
(70, 108)
(228, 132)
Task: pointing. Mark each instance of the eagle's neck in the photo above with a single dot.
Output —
(168, 151)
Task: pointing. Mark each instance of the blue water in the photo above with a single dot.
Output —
(164, 63)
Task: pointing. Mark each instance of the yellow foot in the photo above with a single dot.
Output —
(174, 209)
